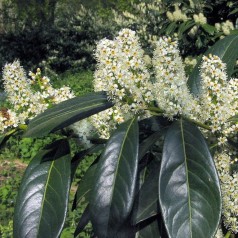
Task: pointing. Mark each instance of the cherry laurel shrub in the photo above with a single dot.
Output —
(166, 146)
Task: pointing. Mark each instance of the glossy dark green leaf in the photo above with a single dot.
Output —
(115, 181)
(125, 231)
(84, 220)
(149, 231)
(148, 143)
(78, 157)
(189, 191)
(55, 150)
(43, 197)
(66, 113)
(227, 50)
(234, 32)
(147, 206)
(85, 186)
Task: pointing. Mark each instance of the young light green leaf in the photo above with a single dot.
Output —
(67, 113)
(189, 191)
(43, 196)
(115, 181)
(227, 50)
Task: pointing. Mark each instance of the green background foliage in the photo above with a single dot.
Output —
(60, 35)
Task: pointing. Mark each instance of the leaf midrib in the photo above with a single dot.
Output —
(116, 171)
(145, 210)
(64, 113)
(227, 47)
(187, 179)
(46, 186)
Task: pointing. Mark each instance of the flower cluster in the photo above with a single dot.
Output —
(105, 122)
(229, 188)
(122, 72)
(28, 96)
(219, 102)
(177, 15)
(83, 129)
(170, 88)
(139, 16)
(200, 18)
(219, 233)
(190, 61)
(219, 97)
(8, 118)
(226, 27)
